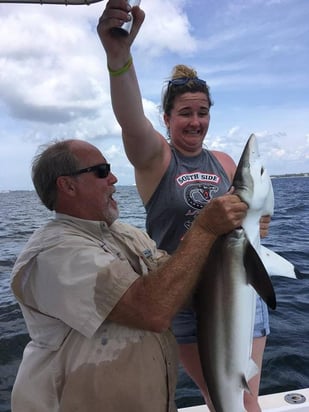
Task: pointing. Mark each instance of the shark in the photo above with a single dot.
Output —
(225, 299)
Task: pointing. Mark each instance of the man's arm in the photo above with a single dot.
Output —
(152, 301)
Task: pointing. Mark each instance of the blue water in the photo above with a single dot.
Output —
(286, 359)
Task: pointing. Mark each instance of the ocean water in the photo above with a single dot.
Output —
(286, 358)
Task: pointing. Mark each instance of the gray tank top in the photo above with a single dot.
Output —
(187, 185)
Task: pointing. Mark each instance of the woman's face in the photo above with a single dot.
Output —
(188, 122)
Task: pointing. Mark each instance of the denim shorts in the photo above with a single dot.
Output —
(184, 323)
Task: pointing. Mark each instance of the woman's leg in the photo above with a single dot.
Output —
(251, 399)
(190, 359)
(261, 330)
(185, 330)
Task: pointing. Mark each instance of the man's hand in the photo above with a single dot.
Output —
(222, 214)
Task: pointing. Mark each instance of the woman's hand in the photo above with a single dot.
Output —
(117, 46)
(264, 225)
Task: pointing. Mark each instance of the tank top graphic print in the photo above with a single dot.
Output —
(188, 184)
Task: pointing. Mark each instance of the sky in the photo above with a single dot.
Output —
(254, 55)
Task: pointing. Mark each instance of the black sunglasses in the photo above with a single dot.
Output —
(102, 170)
(181, 81)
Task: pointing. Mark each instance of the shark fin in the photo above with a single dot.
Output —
(252, 371)
(244, 384)
(258, 276)
(277, 265)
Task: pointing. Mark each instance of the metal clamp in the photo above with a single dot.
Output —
(295, 398)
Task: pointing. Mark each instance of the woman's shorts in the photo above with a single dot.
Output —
(184, 324)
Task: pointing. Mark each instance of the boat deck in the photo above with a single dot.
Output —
(291, 401)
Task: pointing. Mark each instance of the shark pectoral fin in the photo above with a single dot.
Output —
(277, 265)
(258, 276)
(252, 371)
(245, 385)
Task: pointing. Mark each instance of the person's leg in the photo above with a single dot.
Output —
(184, 328)
(251, 399)
(261, 330)
(190, 359)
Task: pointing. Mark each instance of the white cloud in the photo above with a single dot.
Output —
(54, 82)
(166, 28)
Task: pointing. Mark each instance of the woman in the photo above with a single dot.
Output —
(175, 178)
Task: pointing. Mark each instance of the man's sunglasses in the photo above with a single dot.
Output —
(102, 170)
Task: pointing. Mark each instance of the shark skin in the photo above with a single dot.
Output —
(225, 307)
(253, 185)
(226, 295)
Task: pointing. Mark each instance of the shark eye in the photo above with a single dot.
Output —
(262, 170)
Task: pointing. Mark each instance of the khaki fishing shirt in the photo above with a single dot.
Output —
(67, 280)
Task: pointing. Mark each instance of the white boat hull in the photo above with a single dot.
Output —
(276, 402)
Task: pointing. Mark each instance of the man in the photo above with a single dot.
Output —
(98, 297)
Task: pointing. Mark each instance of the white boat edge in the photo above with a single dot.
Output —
(276, 402)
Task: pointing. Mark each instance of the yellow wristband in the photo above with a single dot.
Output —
(122, 70)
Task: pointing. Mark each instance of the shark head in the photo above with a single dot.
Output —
(252, 182)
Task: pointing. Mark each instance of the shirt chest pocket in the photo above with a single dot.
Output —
(142, 261)
(147, 262)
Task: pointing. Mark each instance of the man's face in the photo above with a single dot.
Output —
(92, 195)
